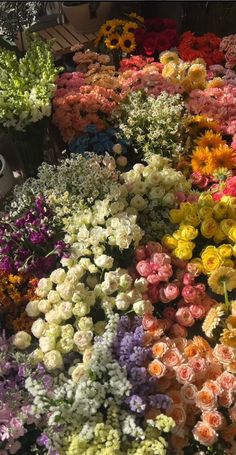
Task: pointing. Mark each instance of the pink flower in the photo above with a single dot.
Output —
(165, 272)
(223, 353)
(153, 247)
(144, 268)
(172, 358)
(188, 393)
(203, 433)
(197, 311)
(193, 269)
(153, 294)
(188, 279)
(180, 196)
(161, 259)
(184, 317)
(171, 291)
(199, 180)
(162, 295)
(140, 254)
(227, 381)
(191, 294)
(226, 399)
(198, 365)
(184, 373)
(169, 313)
(178, 330)
(205, 399)
(153, 279)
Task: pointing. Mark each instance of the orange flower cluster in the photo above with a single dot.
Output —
(15, 292)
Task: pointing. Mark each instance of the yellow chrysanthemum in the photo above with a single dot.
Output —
(136, 17)
(228, 337)
(210, 139)
(170, 70)
(216, 82)
(169, 57)
(202, 161)
(203, 122)
(212, 319)
(223, 157)
(127, 43)
(113, 41)
(197, 72)
(223, 277)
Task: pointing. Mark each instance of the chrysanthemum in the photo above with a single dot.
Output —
(169, 70)
(113, 41)
(210, 139)
(203, 122)
(169, 57)
(223, 156)
(127, 43)
(228, 337)
(224, 276)
(215, 82)
(222, 173)
(212, 319)
(197, 72)
(202, 161)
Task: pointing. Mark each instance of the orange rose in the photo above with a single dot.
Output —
(214, 418)
(172, 358)
(213, 386)
(177, 413)
(204, 434)
(159, 349)
(205, 399)
(156, 368)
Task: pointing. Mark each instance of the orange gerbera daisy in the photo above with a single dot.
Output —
(223, 156)
(210, 140)
(202, 161)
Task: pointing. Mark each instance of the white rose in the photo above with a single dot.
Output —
(44, 286)
(21, 340)
(58, 276)
(53, 330)
(44, 306)
(138, 167)
(135, 295)
(154, 179)
(87, 355)
(47, 343)
(104, 261)
(123, 301)
(74, 274)
(65, 290)
(65, 310)
(141, 284)
(117, 149)
(99, 327)
(81, 309)
(139, 187)
(142, 307)
(38, 327)
(110, 284)
(32, 309)
(54, 297)
(126, 281)
(156, 193)
(36, 356)
(53, 360)
(53, 316)
(78, 372)
(138, 202)
(85, 323)
(67, 262)
(83, 339)
(169, 199)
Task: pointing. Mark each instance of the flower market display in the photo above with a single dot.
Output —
(118, 264)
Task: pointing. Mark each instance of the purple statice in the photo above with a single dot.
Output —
(33, 243)
(131, 353)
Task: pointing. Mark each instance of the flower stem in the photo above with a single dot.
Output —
(227, 303)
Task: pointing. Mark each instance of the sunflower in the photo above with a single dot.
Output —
(136, 17)
(202, 122)
(210, 139)
(113, 41)
(212, 319)
(127, 43)
(197, 72)
(202, 161)
(130, 27)
(223, 156)
(222, 277)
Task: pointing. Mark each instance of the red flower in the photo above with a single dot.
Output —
(149, 43)
(139, 35)
(169, 23)
(217, 56)
(154, 25)
(173, 36)
(162, 41)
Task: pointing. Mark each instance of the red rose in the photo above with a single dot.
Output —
(162, 41)
(154, 25)
(149, 43)
(169, 23)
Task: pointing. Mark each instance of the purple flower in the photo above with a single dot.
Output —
(137, 404)
(37, 238)
(43, 440)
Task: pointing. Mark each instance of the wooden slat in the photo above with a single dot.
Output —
(70, 38)
(90, 36)
(81, 38)
(46, 37)
(59, 39)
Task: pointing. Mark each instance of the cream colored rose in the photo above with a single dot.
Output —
(142, 307)
(104, 262)
(141, 284)
(65, 310)
(44, 306)
(78, 372)
(117, 149)
(54, 297)
(32, 309)
(47, 343)
(21, 340)
(36, 356)
(53, 360)
(138, 202)
(85, 323)
(123, 301)
(65, 290)
(38, 327)
(53, 316)
(82, 339)
(44, 286)
(58, 276)
(87, 355)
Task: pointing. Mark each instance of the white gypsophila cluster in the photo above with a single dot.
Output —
(152, 190)
(92, 231)
(153, 125)
(81, 179)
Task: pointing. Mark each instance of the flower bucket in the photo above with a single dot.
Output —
(81, 18)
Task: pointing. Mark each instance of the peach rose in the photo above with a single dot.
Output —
(197, 311)
(226, 399)
(184, 317)
(229, 432)
(156, 368)
(227, 381)
(214, 370)
(213, 386)
(184, 373)
(159, 349)
(205, 399)
(188, 393)
(232, 413)
(177, 413)
(198, 365)
(175, 396)
(203, 433)
(214, 418)
(180, 343)
(172, 358)
(178, 330)
(223, 353)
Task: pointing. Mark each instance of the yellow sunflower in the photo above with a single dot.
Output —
(129, 27)
(136, 17)
(210, 139)
(222, 277)
(127, 43)
(113, 41)
(202, 122)
(202, 161)
(223, 156)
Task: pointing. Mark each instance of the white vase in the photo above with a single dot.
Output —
(79, 16)
(6, 177)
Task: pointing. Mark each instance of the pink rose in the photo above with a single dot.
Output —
(191, 294)
(162, 295)
(161, 259)
(172, 358)
(165, 272)
(227, 381)
(169, 313)
(188, 279)
(153, 247)
(140, 254)
(203, 433)
(153, 279)
(184, 373)
(197, 311)
(180, 196)
(188, 393)
(184, 317)
(144, 268)
(178, 330)
(153, 294)
(199, 180)
(198, 364)
(171, 291)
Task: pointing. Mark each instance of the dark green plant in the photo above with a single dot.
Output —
(16, 16)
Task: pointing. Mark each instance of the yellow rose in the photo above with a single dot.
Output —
(183, 253)
(187, 232)
(176, 216)
(186, 244)
(177, 234)
(220, 210)
(198, 263)
(193, 219)
(225, 251)
(205, 212)
(228, 263)
(232, 211)
(227, 224)
(232, 234)
(234, 250)
(219, 236)
(169, 242)
(205, 199)
(211, 260)
(209, 228)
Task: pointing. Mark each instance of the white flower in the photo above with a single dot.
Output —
(44, 286)
(154, 179)
(87, 355)
(74, 274)
(104, 262)
(91, 281)
(123, 301)
(82, 339)
(65, 290)
(156, 193)
(125, 281)
(53, 360)
(85, 323)
(169, 199)
(32, 309)
(21, 340)
(138, 202)
(38, 327)
(65, 310)
(67, 262)
(110, 283)
(78, 372)
(47, 343)
(58, 276)
(117, 149)
(53, 316)
(54, 297)
(141, 284)
(36, 356)
(81, 309)
(44, 306)
(53, 330)
(142, 307)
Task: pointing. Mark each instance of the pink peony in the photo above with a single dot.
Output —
(197, 311)
(178, 330)
(144, 268)
(171, 291)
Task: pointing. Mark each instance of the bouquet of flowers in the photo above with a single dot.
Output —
(228, 47)
(156, 35)
(206, 47)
